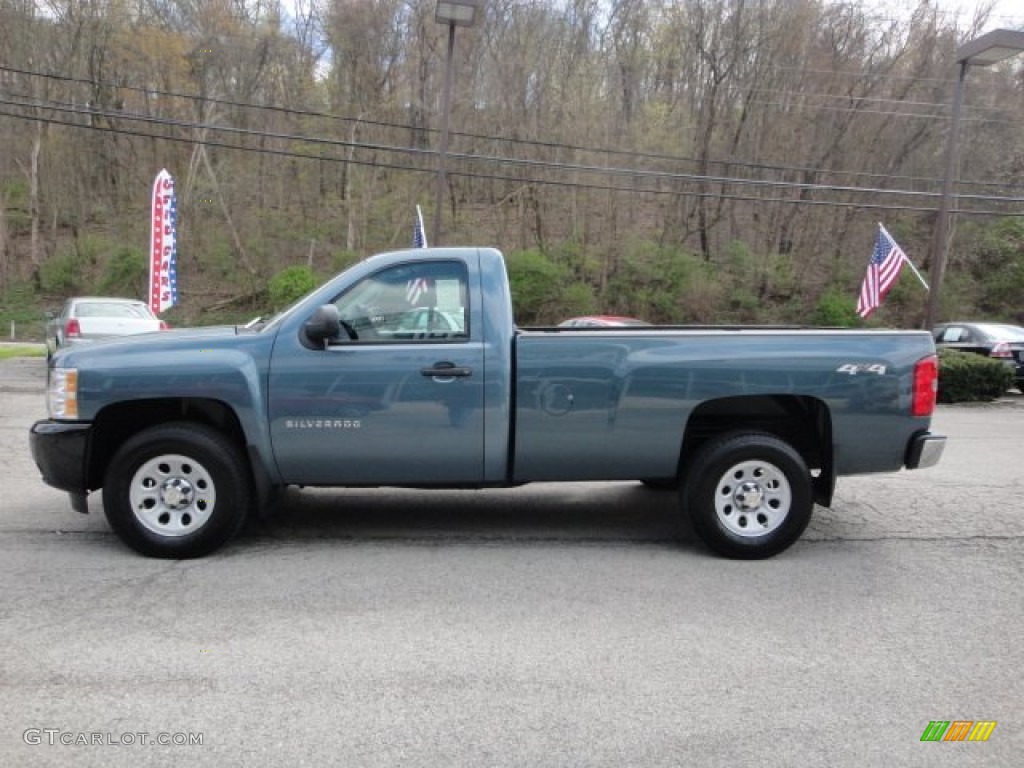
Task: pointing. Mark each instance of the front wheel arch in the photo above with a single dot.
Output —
(119, 422)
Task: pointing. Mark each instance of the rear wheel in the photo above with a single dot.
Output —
(748, 495)
(176, 491)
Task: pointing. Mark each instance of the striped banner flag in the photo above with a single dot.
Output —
(163, 249)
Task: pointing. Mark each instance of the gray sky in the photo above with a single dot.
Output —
(1005, 13)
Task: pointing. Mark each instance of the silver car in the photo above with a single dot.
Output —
(89, 318)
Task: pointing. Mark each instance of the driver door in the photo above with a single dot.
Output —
(399, 400)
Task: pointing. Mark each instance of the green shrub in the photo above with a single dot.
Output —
(659, 283)
(536, 283)
(836, 308)
(125, 274)
(291, 284)
(72, 268)
(578, 299)
(64, 273)
(967, 377)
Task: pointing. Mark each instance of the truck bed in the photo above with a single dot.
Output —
(613, 403)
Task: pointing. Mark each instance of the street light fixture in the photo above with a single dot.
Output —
(454, 13)
(990, 48)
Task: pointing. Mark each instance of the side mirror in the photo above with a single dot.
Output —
(49, 315)
(323, 325)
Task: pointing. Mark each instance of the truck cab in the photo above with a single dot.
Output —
(421, 351)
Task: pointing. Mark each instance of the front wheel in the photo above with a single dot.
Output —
(176, 491)
(748, 495)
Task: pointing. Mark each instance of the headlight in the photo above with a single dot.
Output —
(62, 393)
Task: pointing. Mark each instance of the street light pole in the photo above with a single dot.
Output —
(454, 13)
(940, 245)
(983, 51)
(442, 152)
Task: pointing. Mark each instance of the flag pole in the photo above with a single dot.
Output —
(906, 258)
(420, 232)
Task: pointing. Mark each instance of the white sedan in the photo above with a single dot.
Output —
(90, 318)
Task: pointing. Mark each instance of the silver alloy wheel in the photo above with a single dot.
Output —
(172, 495)
(753, 498)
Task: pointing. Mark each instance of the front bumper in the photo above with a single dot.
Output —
(59, 449)
(925, 450)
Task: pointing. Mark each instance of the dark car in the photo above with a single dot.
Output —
(995, 340)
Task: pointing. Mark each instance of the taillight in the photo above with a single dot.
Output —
(164, 326)
(926, 386)
(72, 330)
(1002, 349)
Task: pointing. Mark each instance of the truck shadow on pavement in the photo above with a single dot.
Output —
(573, 513)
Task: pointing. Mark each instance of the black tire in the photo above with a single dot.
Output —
(177, 491)
(748, 495)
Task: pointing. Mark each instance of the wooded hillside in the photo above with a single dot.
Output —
(681, 161)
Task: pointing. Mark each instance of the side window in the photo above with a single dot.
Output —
(954, 334)
(417, 302)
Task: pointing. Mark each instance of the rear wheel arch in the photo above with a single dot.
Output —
(803, 422)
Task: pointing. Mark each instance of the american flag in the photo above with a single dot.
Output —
(419, 235)
(883, 269)
(415, 288)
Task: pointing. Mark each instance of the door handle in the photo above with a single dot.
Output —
(446, 370)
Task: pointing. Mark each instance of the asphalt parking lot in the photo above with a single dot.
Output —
(542, 626)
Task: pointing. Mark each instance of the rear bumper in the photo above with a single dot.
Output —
(59, 450)
(925, 450)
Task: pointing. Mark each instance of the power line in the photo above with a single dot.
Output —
(531, 143)
(33, 103)
(859, 74)
(543, 164)
(64, 106)
(601, 170)
(850, 97)
(532, 181)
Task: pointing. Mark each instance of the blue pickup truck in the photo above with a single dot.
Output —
(408, 370)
